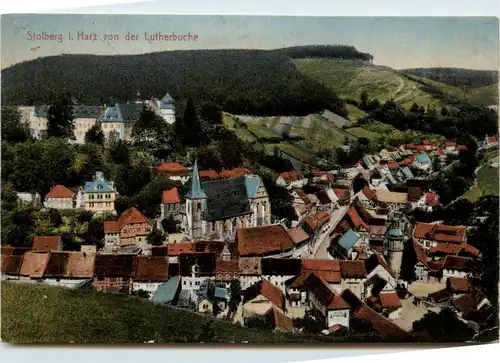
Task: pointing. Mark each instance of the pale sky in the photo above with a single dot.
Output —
(394, 42)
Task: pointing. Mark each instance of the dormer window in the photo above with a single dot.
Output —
(99, 187)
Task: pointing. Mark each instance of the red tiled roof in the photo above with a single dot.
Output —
(173, 168)
(149, 268)
(465, 302)
(414, 194)
(356, 219)
(11, 264)
(461, 147)
(420, 147)
(352, 269)
(130, 216)
(234, 173)
(46, 243)
(263, 240)
(374, 260)
(323, 293)
(381, 324)
(229, 266)
(430, 197)
(342, 193)
(176, 249)
(298, 235)
(457, 263)
(302, 195)
(448, 143)
(492, 140)
(441, 152)
(440, 232)
(170, 196)
(11, 250)
(111, 265)
(211, 174)
(291, 176)
(459, 284)
(111, 227)
(316, 221)
(59, 191)
(412, 158)
(389, 300)
(281, 321)
(34, 264)
(369, 194)
(410, 146)
(426, 142)
(310, 264)
(392, 165)
(71, 264)
(407, 161)
(266, 289)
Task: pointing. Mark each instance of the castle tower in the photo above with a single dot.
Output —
(195, 205)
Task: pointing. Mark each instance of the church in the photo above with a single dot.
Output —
(216, 208)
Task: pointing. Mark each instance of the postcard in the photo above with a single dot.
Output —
(252, 180)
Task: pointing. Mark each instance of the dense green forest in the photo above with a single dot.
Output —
(257, 82)
(458, 77)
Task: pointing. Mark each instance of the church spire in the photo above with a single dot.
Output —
(195, 192)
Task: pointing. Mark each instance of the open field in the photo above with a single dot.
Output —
(350, 78)
(483, 96)
(362, 132)
(487, 183)
(355, 113)
(51, 315)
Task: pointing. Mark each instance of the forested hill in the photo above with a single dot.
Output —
(259, 82)
(458, 77)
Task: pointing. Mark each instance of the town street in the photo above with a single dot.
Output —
(320, 249)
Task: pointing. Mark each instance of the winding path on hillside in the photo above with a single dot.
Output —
(413, 87)
(400, 87)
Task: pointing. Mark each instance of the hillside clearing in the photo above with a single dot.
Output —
(38, 314)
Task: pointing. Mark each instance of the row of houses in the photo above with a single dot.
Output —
(116, 118)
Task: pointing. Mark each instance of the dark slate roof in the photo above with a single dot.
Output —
(281, 266)
(227, 198)
(121, 112)
(130, 111)
(167, 102)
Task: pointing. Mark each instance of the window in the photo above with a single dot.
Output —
(205, 306)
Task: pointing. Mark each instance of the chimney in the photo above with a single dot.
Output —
(99, 175)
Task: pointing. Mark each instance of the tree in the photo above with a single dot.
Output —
(235, 292)
(443, 327)
(60, 120)
(211, 113)
(408, 261)
(13, 129)
(192, 134)
(156, 237)
(169, 225)
(95, 135)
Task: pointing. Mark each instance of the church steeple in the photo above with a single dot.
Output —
(195, 192)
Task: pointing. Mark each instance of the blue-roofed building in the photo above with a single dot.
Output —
(119, 118)
(212, 299)
(424, 160)
(99, 194)
(165, 107)
(346, 243)
(168, 292)
(407, 172)
(216, 208)
(395, 239)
